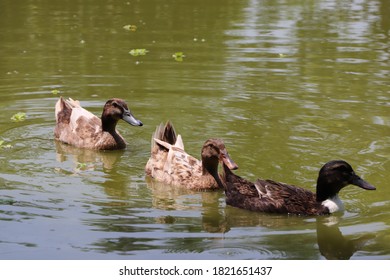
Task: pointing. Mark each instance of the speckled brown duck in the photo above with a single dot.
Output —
(170, 164)
(79, 127)
(274, 197)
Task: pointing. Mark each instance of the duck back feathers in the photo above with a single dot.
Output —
(270, 196)
(169, 163)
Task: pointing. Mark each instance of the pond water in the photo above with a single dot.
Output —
(289, 85)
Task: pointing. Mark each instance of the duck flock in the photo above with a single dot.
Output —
(170, 164)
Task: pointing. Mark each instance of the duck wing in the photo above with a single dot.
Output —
(288, 198)
(173, 166)
(270, 196)
(243, 194)
(75, 125)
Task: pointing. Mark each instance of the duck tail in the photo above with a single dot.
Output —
(62, 111)
(165, 133)
(73, 103)
(169, 133)
(65, 107)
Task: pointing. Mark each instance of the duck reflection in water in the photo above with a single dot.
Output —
(276, 231)
(86, 158)
(168, 197)
(331, 242)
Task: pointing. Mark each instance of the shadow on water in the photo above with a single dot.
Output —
(288, 230)
(287, 84)
(333, 245)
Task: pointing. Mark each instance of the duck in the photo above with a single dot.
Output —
(275, 197)
(78, 127)
(170, 164)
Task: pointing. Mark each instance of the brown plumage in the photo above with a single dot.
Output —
(170, 164)
(79, 127)
(274, 197)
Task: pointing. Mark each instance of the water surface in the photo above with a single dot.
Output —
(288, 85)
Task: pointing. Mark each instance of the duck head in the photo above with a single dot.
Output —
(334, 176)
(213, 152)
(114, 110)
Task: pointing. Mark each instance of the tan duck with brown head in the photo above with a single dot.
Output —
(78, 127)
(170, 164)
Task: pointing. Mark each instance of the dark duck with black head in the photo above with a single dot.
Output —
(274, 197)
(79, 127)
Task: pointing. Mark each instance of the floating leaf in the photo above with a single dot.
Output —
(81, 165)
(137, 52)
(18, 117)
(2, 146)
(178, 56)
(55, 91)
(130, 27)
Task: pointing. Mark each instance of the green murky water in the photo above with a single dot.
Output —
(288, 85)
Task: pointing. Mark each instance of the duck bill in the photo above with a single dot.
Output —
(129, 118)
(228, 161)
(357, 181)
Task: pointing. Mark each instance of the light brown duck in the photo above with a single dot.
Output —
(170, 164)
(79, 127)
